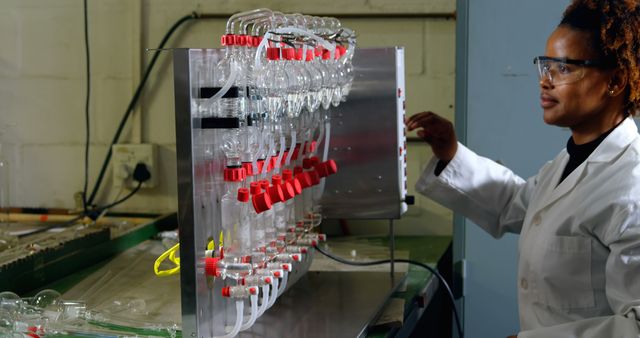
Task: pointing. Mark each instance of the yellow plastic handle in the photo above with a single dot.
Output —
(171, 254)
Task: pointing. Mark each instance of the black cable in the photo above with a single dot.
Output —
(86, 108)
(129, 195)
(385, 261)
(63, 225)
(134, 101)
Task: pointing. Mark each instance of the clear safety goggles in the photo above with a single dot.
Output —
(562, 70)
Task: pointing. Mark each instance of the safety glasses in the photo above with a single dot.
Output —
(562, 70)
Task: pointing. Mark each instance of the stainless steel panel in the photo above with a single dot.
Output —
(327, 304)
(365, 142)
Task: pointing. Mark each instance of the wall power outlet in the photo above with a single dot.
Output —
(124, 159)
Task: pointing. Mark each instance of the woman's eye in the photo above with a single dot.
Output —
(563, 68)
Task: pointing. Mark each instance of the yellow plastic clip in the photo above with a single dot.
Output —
(171, 254)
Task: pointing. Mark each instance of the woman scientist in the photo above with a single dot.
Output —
(579, 217)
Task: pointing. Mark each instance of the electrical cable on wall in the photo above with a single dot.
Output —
(134, 101)
(86, 108)
(425, 266)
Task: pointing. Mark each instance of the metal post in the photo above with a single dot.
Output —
(392, 246)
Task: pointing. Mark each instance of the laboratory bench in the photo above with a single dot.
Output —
(330, 300)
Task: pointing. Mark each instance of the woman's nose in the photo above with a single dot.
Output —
(546, 83)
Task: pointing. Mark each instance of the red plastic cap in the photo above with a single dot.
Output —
(315, 178)
(276, 179)
(332, 167)
(272, 162)
(243, 195)
(226, 291)
(260, 165)
(264, 184)
(227, 40)
(234, 174)
(305, 179)
(327, 168)
(310, 56)
(288, 190)
(245, 259)
(297, 170)
(299, 54)
(261, 202)
(267, 280)
(273, 53)
(276, 194)
(240, 40)
(248, 168)
(255, 188)
(288, 53)
(318, 51)
(255, 41)
(253, 291)
(284, 157)
(296, 151)
(287, 174)
(314, 160)
(306, 163)
(297, 186)
(276, 273)
(342, 50)
(303, 250)
(311, 147)
(326, 54)
(296, 257)
(211, 266)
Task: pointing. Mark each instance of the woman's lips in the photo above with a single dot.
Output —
(547, 101)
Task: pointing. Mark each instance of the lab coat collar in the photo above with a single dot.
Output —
(616, 142)
(610, 148)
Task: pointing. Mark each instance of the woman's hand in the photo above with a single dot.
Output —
(437, 132)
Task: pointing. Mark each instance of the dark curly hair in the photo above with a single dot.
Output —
(614, 27)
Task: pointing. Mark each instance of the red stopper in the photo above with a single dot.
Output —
(310, 55)
(326, 54)
(234, 174)
(248, 168)
(255, 188)
(243, 194)
(287, 174)
(315, 178)
(305, 179)
(227, 40)
(276, 179)
(288, 53)
(288, 190)
(276, 193)
(226, 292)
(211, 266)
(273, 53)
(261, 202)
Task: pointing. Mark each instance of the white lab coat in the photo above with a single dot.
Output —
(579, 247)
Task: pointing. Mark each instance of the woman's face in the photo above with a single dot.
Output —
(578, 105)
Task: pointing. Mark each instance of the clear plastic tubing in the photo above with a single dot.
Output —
(238, 324)
(284, 283)
(274, 293)
(254, 313)
(265, 300)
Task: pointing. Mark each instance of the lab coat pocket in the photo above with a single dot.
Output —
(565, 273)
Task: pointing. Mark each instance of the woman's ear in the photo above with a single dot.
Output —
(618, 82)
